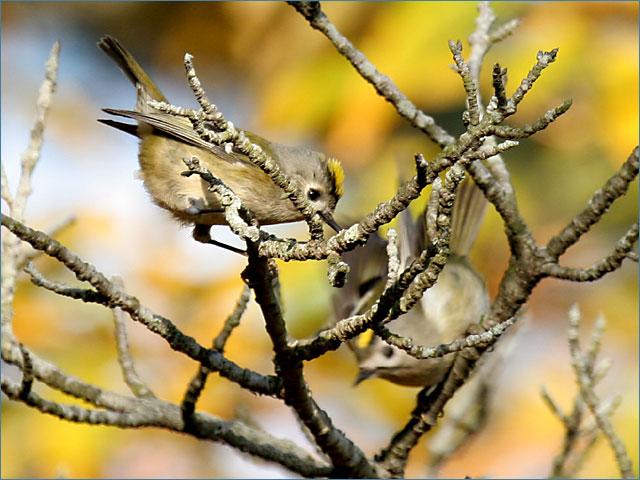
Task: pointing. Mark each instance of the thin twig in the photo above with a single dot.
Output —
(585, 382)
(5, 191)
(599, 203)
(85, 294)
(393, 256)
(198, 382)
(599, 269)
(543, 60)
(12, 252)
(31, 155)
(469, 82)
(421, 352)
(138, 387)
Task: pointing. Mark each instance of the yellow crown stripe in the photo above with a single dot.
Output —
(337, 173)
(364, 339)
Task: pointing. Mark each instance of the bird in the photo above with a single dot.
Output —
(457, 300)
(167, 139)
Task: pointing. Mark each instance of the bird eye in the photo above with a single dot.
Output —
(387, 351)
(313, 194)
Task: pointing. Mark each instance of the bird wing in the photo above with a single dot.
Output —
(411, 237)
(181, 129)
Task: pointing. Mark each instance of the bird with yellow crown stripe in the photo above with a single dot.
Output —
(458, 299)
(166, 140)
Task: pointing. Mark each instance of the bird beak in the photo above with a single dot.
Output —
(363, 374)
(328, 219)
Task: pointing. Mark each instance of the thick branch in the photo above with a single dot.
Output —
(345, 456)
(157, 413)
(266, 385)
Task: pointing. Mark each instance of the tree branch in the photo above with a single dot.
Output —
(586, 384)
(215, 361)
(598, 204)
(610, 263)
(383, 85)
(198, 382)
(346, 457)
(157, 413)
(131, 377)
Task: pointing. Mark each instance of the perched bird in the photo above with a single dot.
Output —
(458, 299)
(165, 140)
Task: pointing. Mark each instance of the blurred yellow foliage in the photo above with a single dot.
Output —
(287, 80)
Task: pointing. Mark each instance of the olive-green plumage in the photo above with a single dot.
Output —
(165, 140)
(445, 311)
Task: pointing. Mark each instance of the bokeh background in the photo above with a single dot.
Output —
(270, 73)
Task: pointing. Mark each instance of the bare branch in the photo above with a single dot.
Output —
(427, 278)
(616, 186)
(385, 87)
(426, 265)
(432, 209)
(338, 270)
(421, 352)
(470, 411)
(156, 413)
(393, 267)
(85, 294)
(585, 382)
(266, 385)
(574, 425)
(553, 406)
(543, 60)
(238, 217)
(346, 457)
(233, 320)
(504, 30)
(5, 192)
(31, 155)
(72, 413)
(14, 255)
(358, 233)
(131, 377)
(429, 405)
(505, 131)
(470, 86)
(27, 373)
(500, 86)
(598, 270)
(198, 382)
(482, 39)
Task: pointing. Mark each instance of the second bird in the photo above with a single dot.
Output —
(458, 299)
